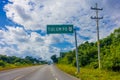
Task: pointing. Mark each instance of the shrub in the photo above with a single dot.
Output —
(2, 63)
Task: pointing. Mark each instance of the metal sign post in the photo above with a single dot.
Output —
(77, 61)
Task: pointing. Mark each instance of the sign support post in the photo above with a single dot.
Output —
(77, 61)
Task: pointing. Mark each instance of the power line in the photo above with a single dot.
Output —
(97, 24)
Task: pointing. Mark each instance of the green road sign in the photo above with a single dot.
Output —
(53, 29)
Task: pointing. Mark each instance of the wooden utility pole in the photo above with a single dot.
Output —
(97, 24)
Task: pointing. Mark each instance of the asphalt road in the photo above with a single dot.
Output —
(45, 72)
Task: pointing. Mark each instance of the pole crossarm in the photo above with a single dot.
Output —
(96, 17)
(95, 8)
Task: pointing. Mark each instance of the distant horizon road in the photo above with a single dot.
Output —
(42, 72)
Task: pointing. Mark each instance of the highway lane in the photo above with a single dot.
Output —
(13, 74)
(46, 72)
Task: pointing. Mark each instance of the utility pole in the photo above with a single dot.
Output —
(77, 61)
(97, 24)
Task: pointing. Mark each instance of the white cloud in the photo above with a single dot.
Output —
(15, 41)
(36, 14)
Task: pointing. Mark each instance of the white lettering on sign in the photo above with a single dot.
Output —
(59, 29)
(70, 28)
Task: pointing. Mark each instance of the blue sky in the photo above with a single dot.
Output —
(23, 25)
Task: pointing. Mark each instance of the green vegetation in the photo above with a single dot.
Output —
(9, 62)
(110, 53)
(90, 74)
(54, 58)
(88, 57)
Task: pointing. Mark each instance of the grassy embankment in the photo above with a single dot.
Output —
(90, 74)
(13, 66)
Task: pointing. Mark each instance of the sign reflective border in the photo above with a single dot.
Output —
(54, 29)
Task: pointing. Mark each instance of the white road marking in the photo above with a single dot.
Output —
(17, 78)
(56, 78)
(53, 74)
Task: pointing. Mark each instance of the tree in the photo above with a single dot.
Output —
(54, 58)
(2, 63)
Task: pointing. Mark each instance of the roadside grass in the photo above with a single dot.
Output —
(90, 74)
(12, 66)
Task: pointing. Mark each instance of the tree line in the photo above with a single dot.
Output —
(17, 61)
